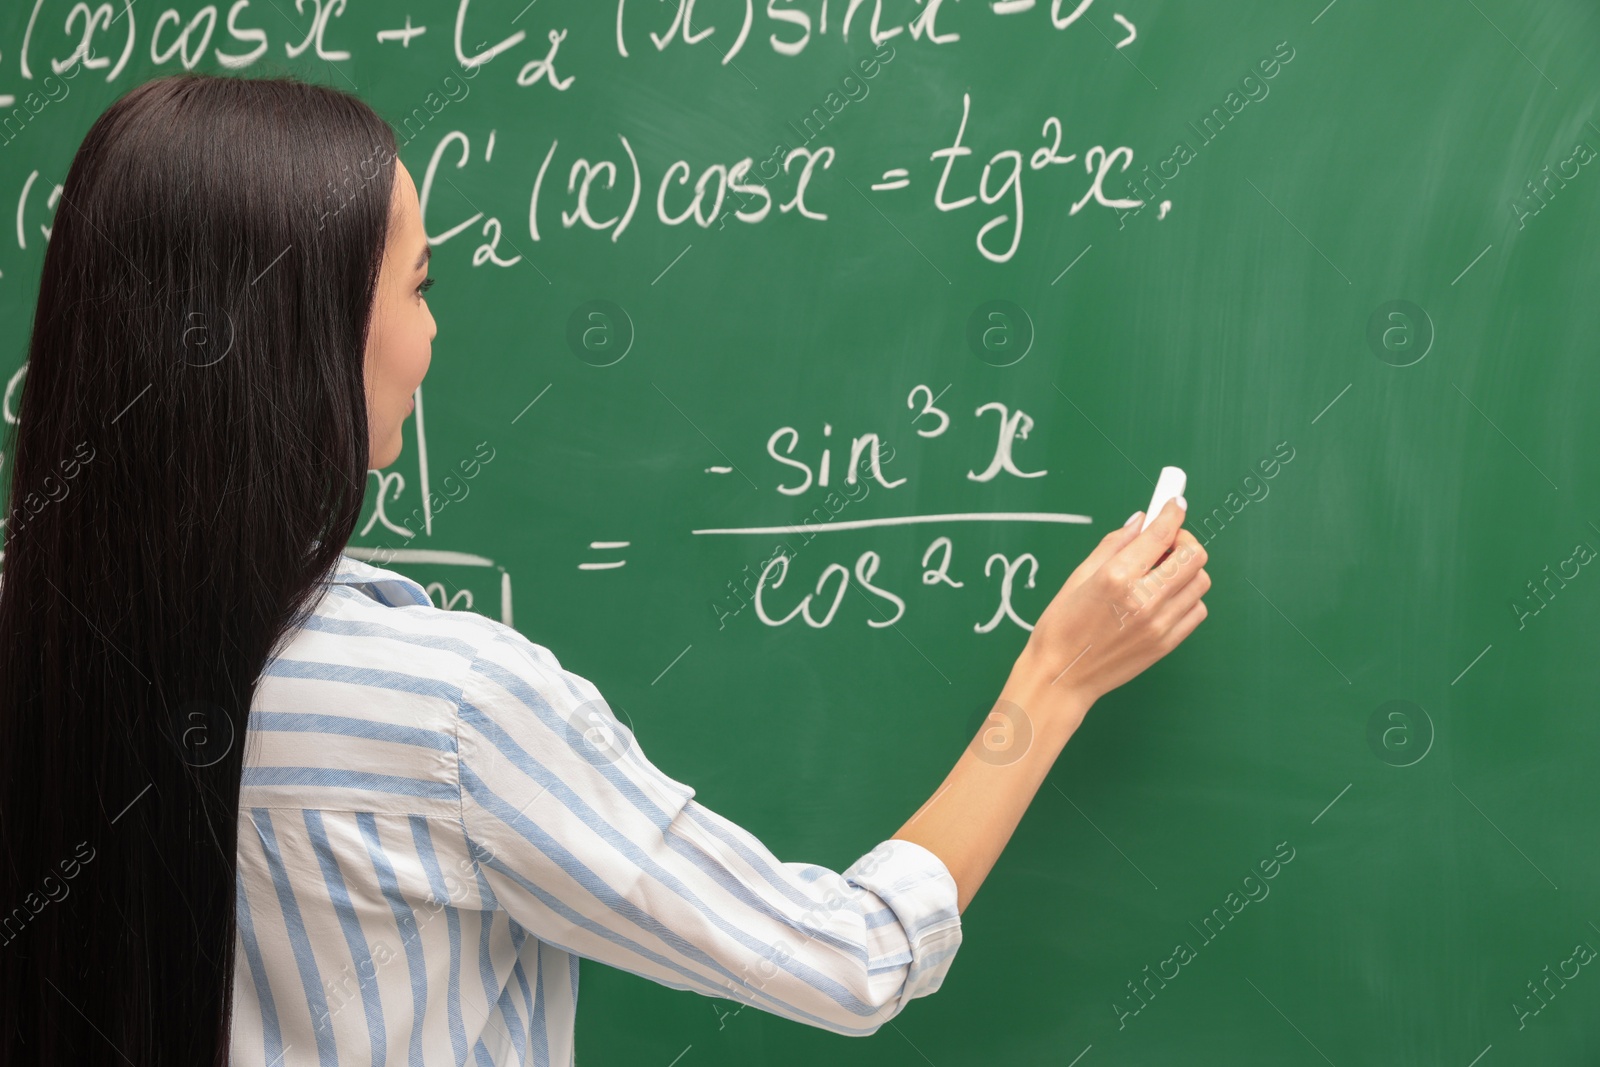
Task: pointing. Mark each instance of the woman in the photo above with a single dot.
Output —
(264, 800)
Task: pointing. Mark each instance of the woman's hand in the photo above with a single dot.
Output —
(1130, 602)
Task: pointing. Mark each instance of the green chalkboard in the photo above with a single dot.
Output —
(1350, 821)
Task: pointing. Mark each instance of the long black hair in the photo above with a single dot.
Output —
(188, 462)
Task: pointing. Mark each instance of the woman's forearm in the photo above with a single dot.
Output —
(1130, 602)
(970, 818)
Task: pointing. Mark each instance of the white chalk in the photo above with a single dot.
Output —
(1170, 484)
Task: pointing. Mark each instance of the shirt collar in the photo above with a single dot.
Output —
(391, 586)
(388, 587)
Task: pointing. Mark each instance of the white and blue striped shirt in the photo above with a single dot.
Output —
(436, 821)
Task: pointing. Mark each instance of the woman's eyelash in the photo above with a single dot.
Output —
(426, 284)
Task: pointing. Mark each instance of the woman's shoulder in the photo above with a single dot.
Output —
(388, 587)
(372, 599)
(392, 614)
(360, 709)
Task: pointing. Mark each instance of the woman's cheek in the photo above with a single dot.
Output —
(424, 356)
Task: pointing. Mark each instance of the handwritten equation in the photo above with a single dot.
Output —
(604, 192)
(169, 37)
(845, 472)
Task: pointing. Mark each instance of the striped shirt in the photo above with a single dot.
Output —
(436, 821)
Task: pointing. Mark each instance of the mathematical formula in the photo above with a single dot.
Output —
(171, 38)
(808, 463)
(603, 192)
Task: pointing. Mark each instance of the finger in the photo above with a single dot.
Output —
(1177, 546)
(1143, 551)
(1185, 545)
(1156, 589)
(1183, 598)
(1182, 533)
(1112, 543)
(1195, 617)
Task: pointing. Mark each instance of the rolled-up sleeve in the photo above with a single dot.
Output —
(592, 849)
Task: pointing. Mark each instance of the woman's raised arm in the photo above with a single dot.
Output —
(1130, 602)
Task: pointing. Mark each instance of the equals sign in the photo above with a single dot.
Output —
(899, 177)
(604, 566)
